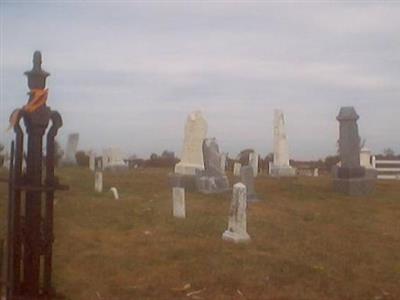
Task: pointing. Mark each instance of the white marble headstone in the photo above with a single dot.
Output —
(236, 168)
(280, 165)
(237, 224)
(192, 153)
(98, 181)
(365, 158)
(178, 202)
(92, 156)
(113, 159)
(253, 162)
(70, 149)
(223, 161)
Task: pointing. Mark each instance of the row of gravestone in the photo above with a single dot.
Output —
(200, 165)
(193, 155)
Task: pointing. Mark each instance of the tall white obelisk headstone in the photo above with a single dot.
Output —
(192, 153)
(281, 166)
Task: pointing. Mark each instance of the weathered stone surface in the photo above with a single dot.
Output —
(365, 158)
(350, 177)
(247, 178)
(280, 165)
(354, 186)
(253, 162)
(349, 140)
(113, 160)
(237, 224)
(351, 172)
(213, 178)
(192, 153)
(92, 157)
(223, 161)
(211, 184)
(114, 192)
(282, 171)
(236, 168)
(98, 163)
(70, 149)
(188, 182)
(98, 181)
(178, 202)
(212, 158)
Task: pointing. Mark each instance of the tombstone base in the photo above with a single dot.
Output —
(187, 169)
(371, 173)
(354, 186)
(188, 182)
(283, 171)
(117, 168)
(236, 237)
(212, 184)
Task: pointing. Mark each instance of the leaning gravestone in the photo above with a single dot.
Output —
(247, 178)
(213, 178)
(70, 149)
(350, 177)
(237, 224)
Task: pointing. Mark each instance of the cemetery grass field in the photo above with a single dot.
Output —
(307, 242)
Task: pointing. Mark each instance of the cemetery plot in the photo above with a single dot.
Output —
(307, 242)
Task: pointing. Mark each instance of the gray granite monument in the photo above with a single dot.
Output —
(350, 177)
(213, 178)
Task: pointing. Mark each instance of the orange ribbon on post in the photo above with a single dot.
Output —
(39, 98)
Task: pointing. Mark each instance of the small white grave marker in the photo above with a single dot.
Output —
(178, 199)
(114, 191)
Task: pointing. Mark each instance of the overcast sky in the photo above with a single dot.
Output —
(127, 74)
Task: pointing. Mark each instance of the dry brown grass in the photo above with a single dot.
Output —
(307, 242)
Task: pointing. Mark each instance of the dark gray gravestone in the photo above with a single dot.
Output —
(350, 177)
(247, 178)
(213, 178)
